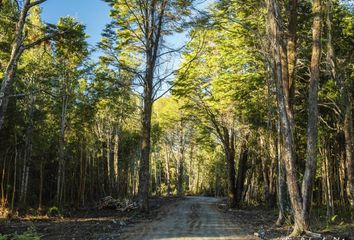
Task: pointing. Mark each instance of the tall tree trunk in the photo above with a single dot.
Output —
(158, 177)
(282, 191)
(342, 178)
(328, 182)
(28, 152)
(116, 158)
(82, 180)
(61, 165)
(241, 172)
(275, 24)
(153, 28)
(282, 188)
(15, 177)
(3, 186)
(348, 135)
(264, 164)
(108, 161)
(190, 170)
(41, 179)
(346, 108)
(180, 177)
(198, 175)
(309, 176)
(292, 55)
(144, 176)
(229, 147)
(24, 182)
(167, 172)
(272, 172)
(288, 52)
(103, 176)
(331, 58)
(153, 172)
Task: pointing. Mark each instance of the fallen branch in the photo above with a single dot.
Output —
(112, 203)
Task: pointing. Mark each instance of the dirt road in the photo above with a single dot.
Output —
(191, 218)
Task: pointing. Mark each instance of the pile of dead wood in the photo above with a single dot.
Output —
(116, 204)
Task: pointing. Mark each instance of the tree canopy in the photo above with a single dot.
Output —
(259, 109)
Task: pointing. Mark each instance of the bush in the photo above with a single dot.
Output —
(53, 211)
(4, 213)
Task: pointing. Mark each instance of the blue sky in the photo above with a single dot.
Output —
(93, 13)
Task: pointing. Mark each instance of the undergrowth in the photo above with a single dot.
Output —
(30, 234)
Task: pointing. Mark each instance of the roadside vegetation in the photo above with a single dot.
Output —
(255, 105)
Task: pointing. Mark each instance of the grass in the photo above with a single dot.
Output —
(30, 234)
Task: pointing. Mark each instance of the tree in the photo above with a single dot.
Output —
(215, 86)
(300, 202)
(70, 52)
(18, 47)
(231, 126)
(142, 26)
(312, 132)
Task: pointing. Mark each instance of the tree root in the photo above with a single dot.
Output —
(298, 232)
(312, 234)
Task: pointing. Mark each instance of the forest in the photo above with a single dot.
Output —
(255, 105)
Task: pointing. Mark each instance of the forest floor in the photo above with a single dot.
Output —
(104, 224)
(170, 218)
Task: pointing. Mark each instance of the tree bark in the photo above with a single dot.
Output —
(180, 177)
(3, 186)
(328, 184)
(41, 179)
(181, 160)
(15, 177)
(61, 162)
(116, 158)
(82, 180)
(241, 172)
(292, 55)
(275, 26)
(282, 192)
(190, 170)
(230, 158)
(153, 23)
(229, 148)
(167, 172)
(346, 108)
(348, 135)
(28, 151)
(109, 162)
(312, 132)
(144, 176)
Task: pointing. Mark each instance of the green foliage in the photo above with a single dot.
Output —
(224, 84)
(30, 234)
(7, 29)
(228, 76)
(53, 211)
(72, 46)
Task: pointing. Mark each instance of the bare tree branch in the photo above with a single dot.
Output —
(32, 4)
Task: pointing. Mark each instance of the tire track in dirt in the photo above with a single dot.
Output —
(191, 218)
(193, 221)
